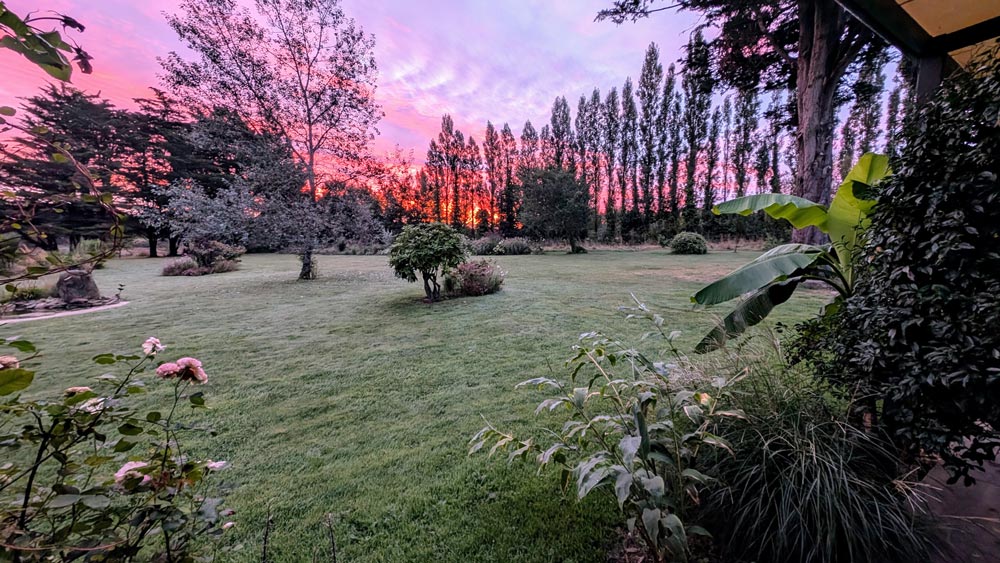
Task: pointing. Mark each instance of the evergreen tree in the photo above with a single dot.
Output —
(697, 84)
(530, 151)
(649, 105)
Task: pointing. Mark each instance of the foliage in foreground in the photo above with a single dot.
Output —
(87, 476)
(803, 484)
(634, 429)
(758, 453)
(427, 248)
(772, 277)
(919, 338)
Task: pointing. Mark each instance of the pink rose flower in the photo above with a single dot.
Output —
(151, 346)
(9, 362)
(128, 471)
(191, 370)
(216, 465)
(168, 370)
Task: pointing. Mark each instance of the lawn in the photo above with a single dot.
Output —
(349, 396)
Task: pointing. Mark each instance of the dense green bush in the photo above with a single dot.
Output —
(207, 253)
(513, 247)
(27, 293)
(688, 243)
(471, 279)
(427, 248)
(919, 337)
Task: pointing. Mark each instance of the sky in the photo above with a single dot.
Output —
(478, 60)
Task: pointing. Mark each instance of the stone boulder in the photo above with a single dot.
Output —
(77, 285)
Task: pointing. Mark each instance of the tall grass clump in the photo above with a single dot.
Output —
(802, 484)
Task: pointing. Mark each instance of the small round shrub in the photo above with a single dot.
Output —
(513, 246)
(688, 243)
(471, 279)
(181, 267)
(208, 252)
(427, 249)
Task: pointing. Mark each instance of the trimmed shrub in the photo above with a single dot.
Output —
(428, 249)
(485, 246)
(471, 279)
(687, 243)
(208, 252)
(28, 293)
(181, 267)
(513, 247)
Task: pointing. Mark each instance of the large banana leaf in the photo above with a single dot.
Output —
(774, 265)
(749, 312)
(800, 212)
(854, 201)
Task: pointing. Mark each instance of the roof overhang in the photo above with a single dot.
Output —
(925, 29)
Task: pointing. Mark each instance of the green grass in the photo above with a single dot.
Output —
(347, 395)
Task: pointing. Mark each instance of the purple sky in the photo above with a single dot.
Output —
(475, 59)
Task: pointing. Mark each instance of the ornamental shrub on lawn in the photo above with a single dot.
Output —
(472, 279)
(428, 249)
(688, 243)
(513, 247)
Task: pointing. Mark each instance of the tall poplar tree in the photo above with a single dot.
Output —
(664, 117)
(745, 124)
(627, 167)
(595, 124)
(697, 84)
(649, 105)
(610, 144)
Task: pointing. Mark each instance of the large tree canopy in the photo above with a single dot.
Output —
(298, 68)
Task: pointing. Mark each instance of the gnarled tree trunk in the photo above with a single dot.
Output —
(308, 271)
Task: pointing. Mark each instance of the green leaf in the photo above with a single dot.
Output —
(748, 313)
(774, 265)
(623, 485)
(7, 111)
(14, 380)
(197, 399)
(62, 501)
(853, 204)
(129, 429)
(96, 502)
(798, 211)
(22, 345)
(651, 523)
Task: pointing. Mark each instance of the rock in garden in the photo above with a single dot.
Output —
(77, 285)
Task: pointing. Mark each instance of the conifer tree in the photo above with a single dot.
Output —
(610, 144)
(627, 166)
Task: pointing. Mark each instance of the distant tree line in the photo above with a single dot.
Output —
(654, 157)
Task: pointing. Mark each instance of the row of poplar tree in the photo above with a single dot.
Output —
(655, 156)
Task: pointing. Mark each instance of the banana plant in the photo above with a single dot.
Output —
(772, 277)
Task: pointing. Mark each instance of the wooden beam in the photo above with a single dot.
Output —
(890, 21)
(977, 33)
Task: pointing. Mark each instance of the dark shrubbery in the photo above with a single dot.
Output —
(513, 247)
(28, 293)
(471, 279)
(688, 243)
(207, 253)
(485, 246)
(920, 334)
(188, 267)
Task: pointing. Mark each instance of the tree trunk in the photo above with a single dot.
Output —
(816, 83)
(173, 244)
(308, 271)
(153, 239)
